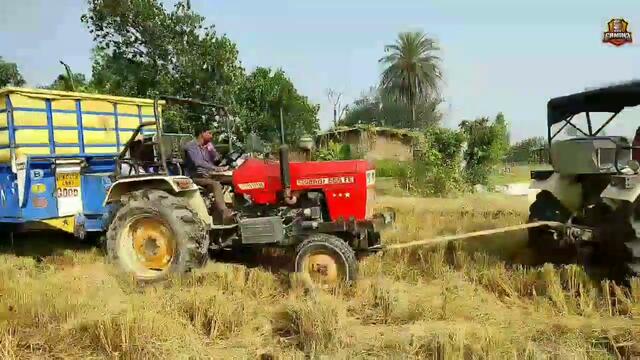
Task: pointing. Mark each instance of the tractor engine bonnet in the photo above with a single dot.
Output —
(347, 185)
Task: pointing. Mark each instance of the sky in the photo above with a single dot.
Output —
(497, 56)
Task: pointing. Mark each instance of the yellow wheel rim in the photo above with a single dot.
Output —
(322, 268)
(153, 243)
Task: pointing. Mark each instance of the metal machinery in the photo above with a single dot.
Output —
(592, 191)
(162, 221)
(57, 154)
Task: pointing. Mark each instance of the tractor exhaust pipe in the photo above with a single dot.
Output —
(285, 175)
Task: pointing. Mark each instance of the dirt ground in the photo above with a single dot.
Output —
(474, 300)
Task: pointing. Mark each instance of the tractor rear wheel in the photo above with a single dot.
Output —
(617, 255)
(632, 241)
(327, 259)
(545, 247)
(154, 234)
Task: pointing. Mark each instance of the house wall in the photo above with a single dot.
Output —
(389, 148)
(355, 140)
(378, 147)
(299, 155)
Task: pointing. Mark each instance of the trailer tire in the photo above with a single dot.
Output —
(327, 259)
(154, 234)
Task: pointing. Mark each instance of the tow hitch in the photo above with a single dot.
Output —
(572, 234)
(380, 221)
(576, 234)
(384, 218)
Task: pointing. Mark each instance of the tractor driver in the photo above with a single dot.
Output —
(200, 163)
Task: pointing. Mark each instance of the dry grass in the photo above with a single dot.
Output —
(467, 300)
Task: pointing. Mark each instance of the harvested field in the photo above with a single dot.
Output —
(471, 300)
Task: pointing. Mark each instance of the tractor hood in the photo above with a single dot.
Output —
(345, 182)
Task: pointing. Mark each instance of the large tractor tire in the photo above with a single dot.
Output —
(327, 260)
(617, 255)
(632, 241)
(544, 246)
(154, 234)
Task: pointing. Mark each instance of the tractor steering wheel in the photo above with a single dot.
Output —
(231, 159)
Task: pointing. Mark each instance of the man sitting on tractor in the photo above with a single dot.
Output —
(200, 164)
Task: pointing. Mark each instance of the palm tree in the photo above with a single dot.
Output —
(412, 71)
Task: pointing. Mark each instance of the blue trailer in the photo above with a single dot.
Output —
(57, 157)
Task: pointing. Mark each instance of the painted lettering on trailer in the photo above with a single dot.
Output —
(251, 186)
(68, 192)
(326, 181)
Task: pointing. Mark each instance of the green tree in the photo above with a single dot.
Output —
(263, 95)
(412, 70)
(436, 168)
(525, 150)
(377, 108)
(65, 83)
(484, 150)
(9, 74)
(571, 131)
(142, 49)
(501, 123)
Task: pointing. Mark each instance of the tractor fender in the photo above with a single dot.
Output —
(181, 186)
(615, 192)
(563, 187)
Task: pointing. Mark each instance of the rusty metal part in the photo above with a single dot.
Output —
(322, 268)
(447, 238)
(153, 242)
(573, 234)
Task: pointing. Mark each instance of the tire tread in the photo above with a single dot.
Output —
(194, 246)
(336, 243)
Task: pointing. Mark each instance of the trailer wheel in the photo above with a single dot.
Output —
(154, 234)
(327, 259)
(541, 240)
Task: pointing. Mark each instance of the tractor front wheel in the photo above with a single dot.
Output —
(154, 234)
(327, 260)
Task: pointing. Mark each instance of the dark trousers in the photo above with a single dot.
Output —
(215, 188)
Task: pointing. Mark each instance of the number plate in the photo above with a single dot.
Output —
(68, 185)
(71, 180)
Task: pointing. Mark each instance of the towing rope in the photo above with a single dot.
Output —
(447, 238)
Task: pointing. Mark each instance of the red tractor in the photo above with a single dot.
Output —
(162, 222)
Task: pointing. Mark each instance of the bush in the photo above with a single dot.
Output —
(392, 168)
(487, 144)
(335, 151)
(437, 166)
